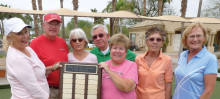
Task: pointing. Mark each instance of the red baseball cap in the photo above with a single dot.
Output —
(52, 16)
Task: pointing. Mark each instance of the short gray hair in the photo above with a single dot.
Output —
(79, 33)
(100, 25)
(156, 29)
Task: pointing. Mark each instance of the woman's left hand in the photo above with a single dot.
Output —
(105, 67)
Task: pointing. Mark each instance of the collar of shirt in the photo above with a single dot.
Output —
(143, 55)
(200, 54)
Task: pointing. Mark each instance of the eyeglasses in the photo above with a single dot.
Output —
(195, 36)
(79, 39)
(157, 39)
(96, 36)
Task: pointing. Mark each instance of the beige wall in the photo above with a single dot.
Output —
(171, 27)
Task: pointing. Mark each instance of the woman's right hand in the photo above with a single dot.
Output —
(56, 66)
(105, 67)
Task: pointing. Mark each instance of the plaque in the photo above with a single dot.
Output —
(80, 81)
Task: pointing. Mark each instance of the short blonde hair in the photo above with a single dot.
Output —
(120, 39)
(188, 30)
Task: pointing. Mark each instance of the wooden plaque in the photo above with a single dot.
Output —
(80, 81)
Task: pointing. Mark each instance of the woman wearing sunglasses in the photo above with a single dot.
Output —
(154, 68)
(78, 42)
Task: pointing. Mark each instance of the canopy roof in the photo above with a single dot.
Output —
(68, 12)
(117, 14)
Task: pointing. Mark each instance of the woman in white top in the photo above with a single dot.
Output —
(78, 42)
(25, 72)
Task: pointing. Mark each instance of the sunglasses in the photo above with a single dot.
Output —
(79, 40)
(157, 39)
(96, 36)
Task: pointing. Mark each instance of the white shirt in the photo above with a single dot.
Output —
(26, 75)
(105, 51)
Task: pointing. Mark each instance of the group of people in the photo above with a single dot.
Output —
(33, 72)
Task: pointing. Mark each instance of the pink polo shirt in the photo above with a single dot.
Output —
(152, 79)
(127, 70)
(26, 75)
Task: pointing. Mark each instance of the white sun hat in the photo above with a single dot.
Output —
(14, 25)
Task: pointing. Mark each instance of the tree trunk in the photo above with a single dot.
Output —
(41, 16)
(199, 9)
(145, 13)
(75, 7)
(121, 22)
(112, 19)
(62, 17)
(36, 28)
(183, 8)
(2, 28)
(160, 7)
(183, 14)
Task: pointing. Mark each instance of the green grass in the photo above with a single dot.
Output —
(2, 55)
(216, 94)
(218, 57)
(5, 92)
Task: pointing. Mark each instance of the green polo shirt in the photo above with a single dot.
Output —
(102, 58)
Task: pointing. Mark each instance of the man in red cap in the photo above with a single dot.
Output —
(51, 49)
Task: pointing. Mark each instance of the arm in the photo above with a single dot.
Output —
(123, 84)
(209, 80)
(168, 79)
(168, 89)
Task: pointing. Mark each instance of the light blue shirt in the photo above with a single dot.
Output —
(189, 77)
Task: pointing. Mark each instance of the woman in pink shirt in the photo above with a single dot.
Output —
(25, 72)
(154, 68)
(119, 77)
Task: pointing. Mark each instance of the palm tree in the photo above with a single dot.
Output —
(63, 31)
(145, 12)
(183, 8)
(161, 6)
(112, 19)
(75, 7)
(183, 14)
(36, 29)
(120, 5)
(97, 20)
(41, 16)
(199, 9)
